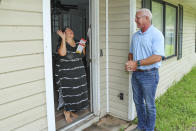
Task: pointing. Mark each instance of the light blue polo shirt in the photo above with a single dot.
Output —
(146, 44)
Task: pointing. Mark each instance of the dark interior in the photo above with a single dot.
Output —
(74, 14)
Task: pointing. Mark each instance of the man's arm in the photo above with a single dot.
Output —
(151, 60)
(148, 61)
(130, 56)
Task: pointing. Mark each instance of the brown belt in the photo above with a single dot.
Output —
(139, 70)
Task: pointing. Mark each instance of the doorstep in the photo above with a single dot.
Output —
(110, 123)
(82, 124)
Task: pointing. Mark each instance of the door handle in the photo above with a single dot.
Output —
(90, 60)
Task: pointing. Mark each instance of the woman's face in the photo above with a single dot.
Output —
(69, 33)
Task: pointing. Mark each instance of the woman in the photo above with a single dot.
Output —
(70, 76)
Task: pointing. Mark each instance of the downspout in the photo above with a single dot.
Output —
(107, 57)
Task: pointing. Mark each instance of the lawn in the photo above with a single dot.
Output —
(176, 109)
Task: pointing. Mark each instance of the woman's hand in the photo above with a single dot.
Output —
(61, 34)
(84, 51)
(62, 49)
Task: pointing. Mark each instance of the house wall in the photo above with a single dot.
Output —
(22, 89)
(172, 70)
(102, 45)
(118, 51)
(119, 37)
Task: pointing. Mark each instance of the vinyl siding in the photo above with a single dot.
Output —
(22, 89)
(118, 52)
(172, 70)
(102, 45)
(138, 4)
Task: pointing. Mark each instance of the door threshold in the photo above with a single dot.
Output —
(81, 124)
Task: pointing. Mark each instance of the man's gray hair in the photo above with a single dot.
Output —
(145, 12)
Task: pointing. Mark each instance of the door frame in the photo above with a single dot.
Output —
(132, 26)
(47, 40)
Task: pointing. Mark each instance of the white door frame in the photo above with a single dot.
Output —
(48, 65)
(48, 61)
(131, 105)
(95, 56)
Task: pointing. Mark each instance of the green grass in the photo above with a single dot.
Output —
(176, 109)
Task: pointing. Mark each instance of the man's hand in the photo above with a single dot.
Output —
(131, 65)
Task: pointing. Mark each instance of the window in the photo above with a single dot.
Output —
(165, 17)
(157, 9)
(180, 31)
(170, 31)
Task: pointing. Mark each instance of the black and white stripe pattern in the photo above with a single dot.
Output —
(70, 78)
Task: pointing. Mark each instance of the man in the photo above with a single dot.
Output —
(146, 52)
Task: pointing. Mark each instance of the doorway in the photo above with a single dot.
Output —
(76, 15)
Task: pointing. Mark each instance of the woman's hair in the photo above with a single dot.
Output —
(64, 28)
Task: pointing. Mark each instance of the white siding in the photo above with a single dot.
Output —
(22, 89)
(102, 45)
(118, 52)
(170, 72)
(138, 4)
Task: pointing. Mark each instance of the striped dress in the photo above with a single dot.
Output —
(70, 78)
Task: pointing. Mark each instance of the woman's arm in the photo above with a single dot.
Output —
(84, 51)
(62, 51)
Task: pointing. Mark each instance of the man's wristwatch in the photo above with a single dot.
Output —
(139, 63)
